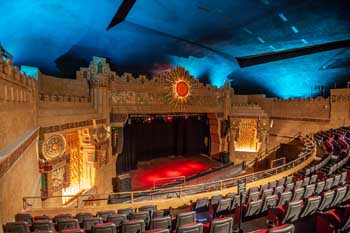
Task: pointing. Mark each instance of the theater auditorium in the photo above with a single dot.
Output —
(174, 116)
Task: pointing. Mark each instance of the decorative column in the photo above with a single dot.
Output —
(263, 127)
(234, 126)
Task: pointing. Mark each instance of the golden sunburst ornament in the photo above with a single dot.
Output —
(180, 87)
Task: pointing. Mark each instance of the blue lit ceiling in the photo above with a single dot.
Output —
(58, 36)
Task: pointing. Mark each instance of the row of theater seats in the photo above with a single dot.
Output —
(282, 202)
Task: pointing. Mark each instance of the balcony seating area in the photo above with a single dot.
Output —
(319, 195)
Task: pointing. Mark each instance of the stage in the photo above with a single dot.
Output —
(199, 168)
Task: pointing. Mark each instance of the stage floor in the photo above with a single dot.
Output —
(143, 177)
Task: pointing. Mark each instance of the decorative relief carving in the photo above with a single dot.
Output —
(54, 146)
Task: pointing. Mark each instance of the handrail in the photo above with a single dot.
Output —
(209, 186)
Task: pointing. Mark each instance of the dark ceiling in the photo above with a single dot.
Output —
(204, 36)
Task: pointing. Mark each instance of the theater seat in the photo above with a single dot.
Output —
(43, 225)
(17, 227)
(148, 208)
(126, 211)
(144, 215)
(104, 214)
(133, 226)
(269, 202)
(279, 190)
(298, 194)
(284, 214)
(59, 217)
(67, 223)
(311, 206)
(185, 218)
(89, 222)
(339, 196)
(320, 187)
(118, 220)
(82, 216)
(253, 208)
(201, 205)
(161, 223)
(309, 190)
(220, 225)
(104, 228)
(334, 220)
(215, 199)
(23, 217)
(327, 198)
(284, 197)
(223, 208)
(190, 228)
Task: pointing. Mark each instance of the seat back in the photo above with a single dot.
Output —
(267, 192)
(190, 228)
(320, 187)
(272, 184)
(104, 214)
(104, 228)
(298, 194)
(339, 195)
(289, 179)
(253, 208)
(329, 183)
(17, 227)
(215, 199)
(281, 181)
(327, 198)
(289, 187)
(202, 204)
(185, 218)
(306, 181)
(347, 195)
(133, 226)
(253, 196)
(45, 225)
(89, 222)
(223, 207)
(309, 190)
(59, 217)
(293, 211)
(263, 187)
(298, 184)
(67, 223)
(336, 180)
(343, 178)
(269, 202)
(82, 216)
(161, 222)
(285, 229)
(313, 178)
(285, 197)
(144, 215)
(117, 219)
(222, 225)
(148, 208)
(126, 211)
(279, 190)
(24, 217)
(311, 206)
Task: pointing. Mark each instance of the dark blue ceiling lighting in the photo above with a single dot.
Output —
(204, 36)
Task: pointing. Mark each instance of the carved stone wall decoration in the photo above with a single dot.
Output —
(179, 87)
(102, 133)
(54, 146)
